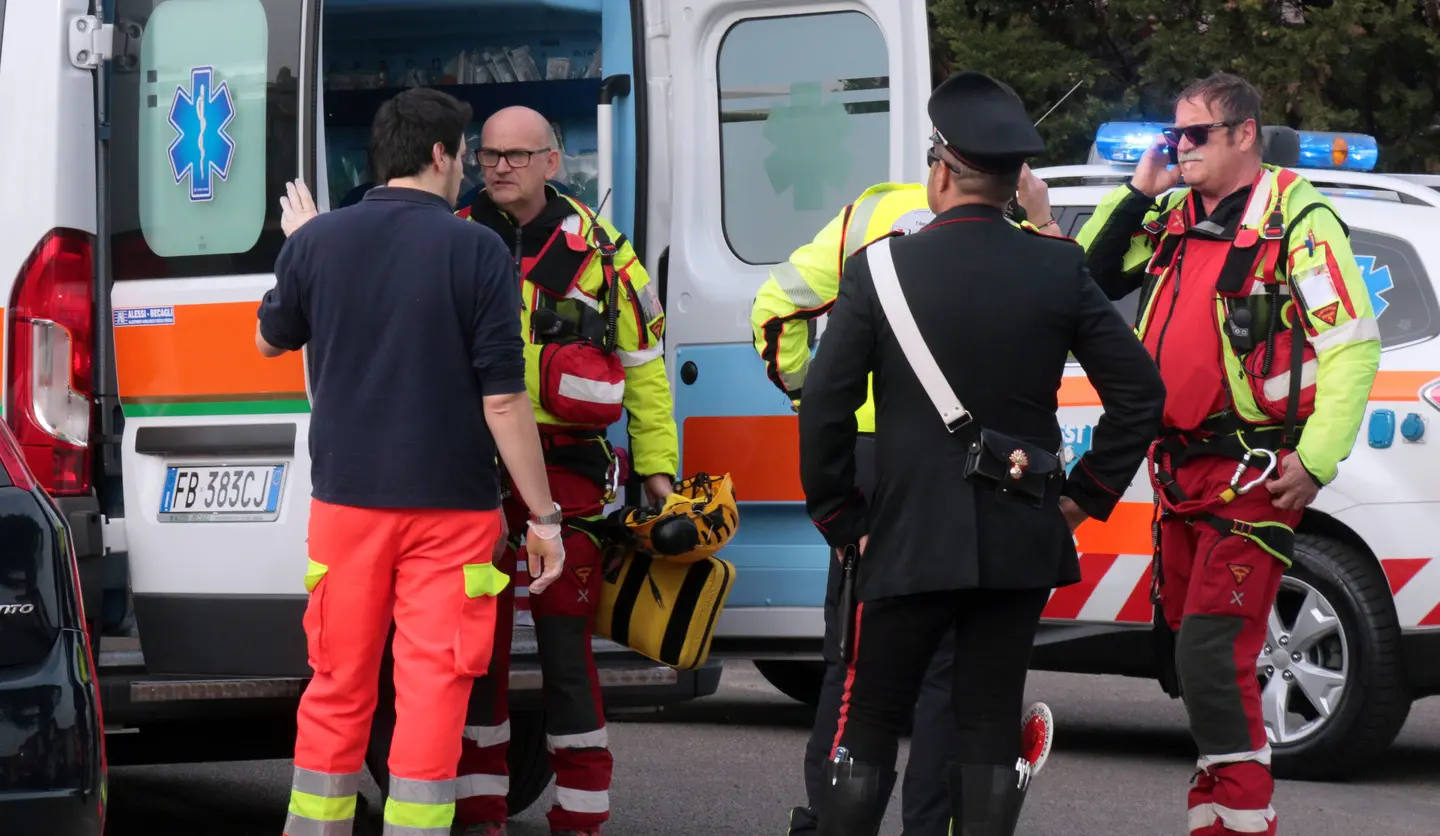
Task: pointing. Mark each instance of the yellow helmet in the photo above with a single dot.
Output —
(693, 523)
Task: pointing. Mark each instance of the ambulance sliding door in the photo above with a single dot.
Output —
(765, 120)
(207, 128)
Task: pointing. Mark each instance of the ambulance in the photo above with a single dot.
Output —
(144, 146)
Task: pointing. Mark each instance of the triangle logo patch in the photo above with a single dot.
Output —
(1328, 313)
(1239, 572)
(583, 573)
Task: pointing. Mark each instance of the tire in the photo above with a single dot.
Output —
(527, 758)
(1372, 704)
(799, 681)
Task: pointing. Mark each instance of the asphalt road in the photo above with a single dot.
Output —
(730, 764)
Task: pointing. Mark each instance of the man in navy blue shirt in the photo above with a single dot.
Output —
(412, 320)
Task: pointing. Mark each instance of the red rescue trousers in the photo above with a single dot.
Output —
(564, 616)
(432, 570)
(1217, 591)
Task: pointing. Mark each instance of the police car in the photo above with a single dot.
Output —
(1354, 637)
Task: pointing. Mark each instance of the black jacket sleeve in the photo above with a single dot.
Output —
(835, 388)
(1133, 396)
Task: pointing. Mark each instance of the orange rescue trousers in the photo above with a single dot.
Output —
(430, 568)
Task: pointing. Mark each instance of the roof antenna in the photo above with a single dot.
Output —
(1062, 101)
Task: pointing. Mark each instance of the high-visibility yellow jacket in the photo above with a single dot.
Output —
(802, 289)
(570, 268)
(1319, 270)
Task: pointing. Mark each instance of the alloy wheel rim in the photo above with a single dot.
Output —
(1304, 665)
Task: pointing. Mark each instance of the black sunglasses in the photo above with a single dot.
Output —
(1197, 134)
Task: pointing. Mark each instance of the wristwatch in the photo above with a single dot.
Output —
(552, 518)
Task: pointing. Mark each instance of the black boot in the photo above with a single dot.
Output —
(853, 798)
(985, 799)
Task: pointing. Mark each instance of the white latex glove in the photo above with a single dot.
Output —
(296, 207)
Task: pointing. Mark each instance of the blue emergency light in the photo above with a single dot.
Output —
(1350, 152)
(1126, 142)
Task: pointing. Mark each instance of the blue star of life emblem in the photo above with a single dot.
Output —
(1376, 281)
(202, 150)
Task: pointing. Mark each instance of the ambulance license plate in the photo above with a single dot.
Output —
(245, 493)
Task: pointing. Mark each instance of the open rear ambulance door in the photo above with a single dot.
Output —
(209, 121)
(765, 119)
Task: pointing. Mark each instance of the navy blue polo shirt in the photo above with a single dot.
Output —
(412, 316)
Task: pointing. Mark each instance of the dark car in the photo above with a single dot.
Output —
(52, 747)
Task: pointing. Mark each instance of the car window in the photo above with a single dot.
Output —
(204, 136)
(802, 131)
(1401, 291)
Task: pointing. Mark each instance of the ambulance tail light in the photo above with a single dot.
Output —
(51, 345)
(1336, 151)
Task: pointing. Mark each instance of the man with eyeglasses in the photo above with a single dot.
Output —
(783, 320)
(593, 330)
(1256, 313)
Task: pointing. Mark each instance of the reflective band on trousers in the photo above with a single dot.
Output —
(591, 391)
(322, 804)
(474, 786)
(488, 735)
(419, 808)
(598, 739)
(582, 801)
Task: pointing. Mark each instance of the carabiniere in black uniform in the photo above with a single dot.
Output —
(965, 527)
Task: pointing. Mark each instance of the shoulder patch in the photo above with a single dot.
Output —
(913, 221)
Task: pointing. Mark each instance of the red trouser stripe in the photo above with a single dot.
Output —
(849, 682)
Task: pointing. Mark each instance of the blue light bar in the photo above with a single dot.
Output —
(1126, 142)
(1350, 152)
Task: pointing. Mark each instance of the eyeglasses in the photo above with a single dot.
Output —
(518, 158)
(1197, 134)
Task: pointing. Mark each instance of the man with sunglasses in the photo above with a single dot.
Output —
(1254, 309)
(783, 319)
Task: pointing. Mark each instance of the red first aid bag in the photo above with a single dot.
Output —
(582, 385)
(1272, 391)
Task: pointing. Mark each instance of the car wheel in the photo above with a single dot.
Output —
(1331, 686)
(796, 680)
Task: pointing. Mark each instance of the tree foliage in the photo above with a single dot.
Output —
(1367, 66)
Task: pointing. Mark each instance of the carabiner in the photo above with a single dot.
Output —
(1244, 463)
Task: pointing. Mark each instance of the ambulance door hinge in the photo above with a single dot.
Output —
(91, 42)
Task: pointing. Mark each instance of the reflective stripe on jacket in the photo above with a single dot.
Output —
(801, 290)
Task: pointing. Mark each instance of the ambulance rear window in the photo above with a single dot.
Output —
(204, 137)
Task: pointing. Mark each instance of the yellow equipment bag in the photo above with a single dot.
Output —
(694, 522)
(663, 610)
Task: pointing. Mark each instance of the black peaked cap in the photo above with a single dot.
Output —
(984, 123)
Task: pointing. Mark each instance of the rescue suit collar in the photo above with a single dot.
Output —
(407, 195)
(532, 235)
(546, 254)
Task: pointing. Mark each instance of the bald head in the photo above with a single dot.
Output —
(521, 123)
(518, 153)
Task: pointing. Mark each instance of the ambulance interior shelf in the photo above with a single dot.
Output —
(489, 54)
